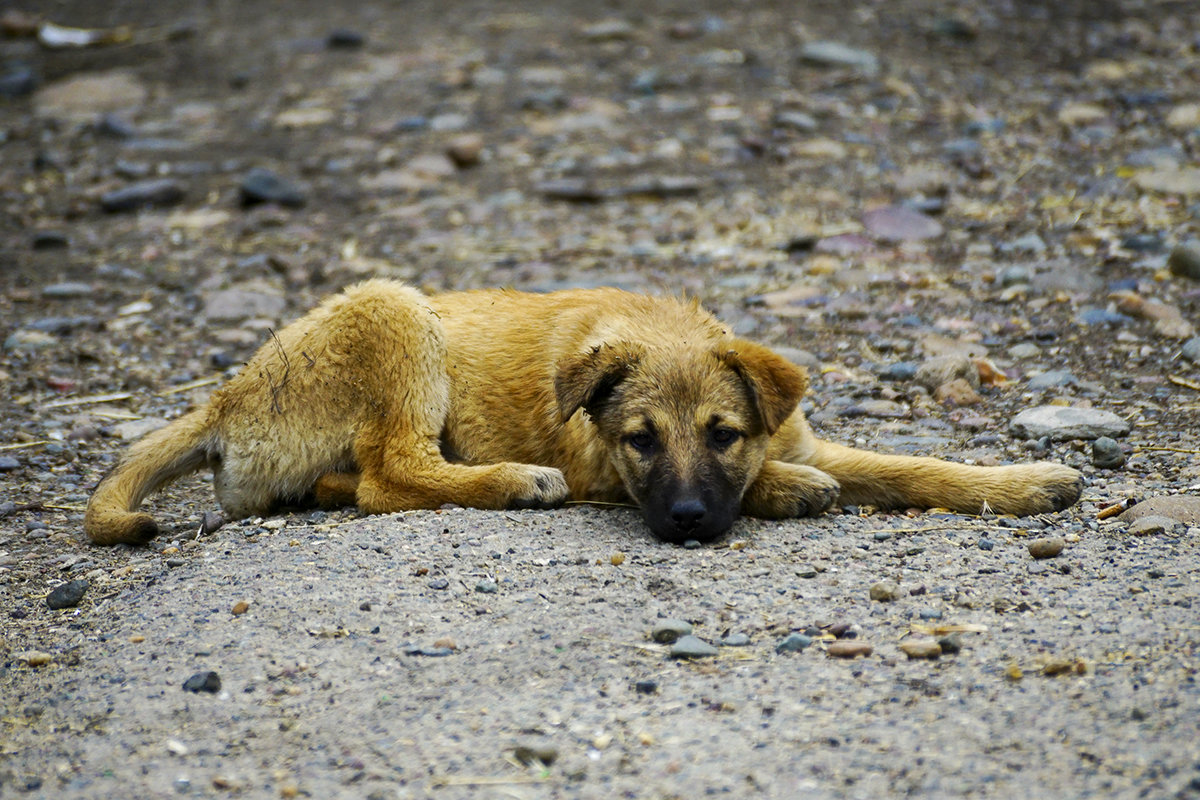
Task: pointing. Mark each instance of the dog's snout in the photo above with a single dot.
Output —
(687, 514)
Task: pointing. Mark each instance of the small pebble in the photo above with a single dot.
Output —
(837, 630)
(67, 290)
(646, 687)
(264, 186)
(885, 591)
(1046, 548)
(439, 584)
(1107, 453)
(950, 644)
(239, 608)
(428, 652)
(692, 647)
(793, 643)
(806, 571)
(666, 631)
(203, 682)
(159, 192)
(986, 544)
(935, 372)
(465, 149)
(486, 587)
(37, 658)
(851, 648)
(921, 648)
(735, 640)
(1184, 260)
(931, 613)
(67, 595)
(1191, 350)
(1060, 666)
(345, 39)
(536, 754)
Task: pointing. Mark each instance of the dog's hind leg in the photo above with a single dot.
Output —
(402, 352)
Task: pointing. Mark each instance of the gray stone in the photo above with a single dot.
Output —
(1046, 548)
(901, 224)
(1063, 423)
(1185, 181)
(1191, 350)
(692, 647)
(1184, 260)
(1155, 524)
(736, 640)
(1107, 454)
(666, 631)
(1102, 316)
(934, 372)
(1029, 243)
(1184, 508)
(885, 591)
(29, 341)
(1024, 350)
(8, 464)
(835, 54)
(82, 98)
(232, 305)
(67, 290)
(264, 186)
(1014, 275)
(137, 428)
(793, 643)
(203, 682)
(1051, 379)
(796, 120)
(158, 192)
(67, 595)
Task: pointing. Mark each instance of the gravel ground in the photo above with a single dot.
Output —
(950, 212)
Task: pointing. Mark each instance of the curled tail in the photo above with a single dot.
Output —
(151, 463)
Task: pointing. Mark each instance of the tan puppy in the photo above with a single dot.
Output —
(387, 398)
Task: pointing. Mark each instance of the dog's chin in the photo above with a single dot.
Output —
(667, 531)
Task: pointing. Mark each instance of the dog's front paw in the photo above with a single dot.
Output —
(541, 487)
(784, 490)
(1055, 487)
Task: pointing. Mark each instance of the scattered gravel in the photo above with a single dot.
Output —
(869, 189)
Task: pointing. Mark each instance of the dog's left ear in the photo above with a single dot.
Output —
(775, 383)
(585, 380)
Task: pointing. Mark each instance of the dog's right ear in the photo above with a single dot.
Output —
(585, 380)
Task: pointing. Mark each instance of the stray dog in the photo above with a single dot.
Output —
(393, 400)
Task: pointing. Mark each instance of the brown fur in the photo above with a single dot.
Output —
(393, 400)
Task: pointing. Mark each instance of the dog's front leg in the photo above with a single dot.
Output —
(782, 490)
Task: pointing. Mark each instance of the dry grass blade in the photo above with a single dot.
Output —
(1179, 380)
(187, 387)
(23, 445)
(88, 400)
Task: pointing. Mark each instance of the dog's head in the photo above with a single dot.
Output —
(686, 427)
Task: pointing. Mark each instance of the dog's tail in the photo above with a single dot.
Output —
(151, 463)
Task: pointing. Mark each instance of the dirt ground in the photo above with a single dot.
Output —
(1013, 183)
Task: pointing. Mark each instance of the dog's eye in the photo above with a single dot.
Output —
(723, 437)
(643, 442)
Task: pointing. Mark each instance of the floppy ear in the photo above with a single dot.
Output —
(584, 380)
(775, 383)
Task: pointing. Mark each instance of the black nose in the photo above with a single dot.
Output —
(687, 514)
